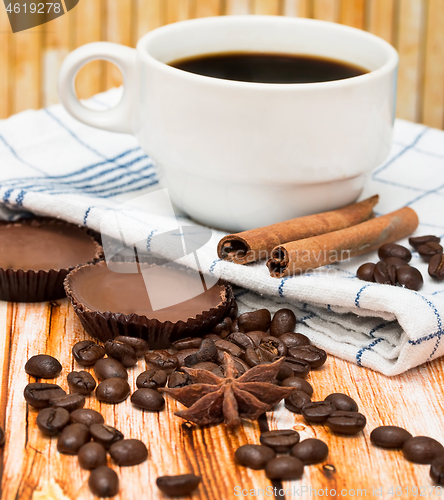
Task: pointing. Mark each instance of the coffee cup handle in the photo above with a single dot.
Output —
(121, 117)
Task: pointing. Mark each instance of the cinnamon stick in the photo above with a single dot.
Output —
(256, 244)
(299, 256)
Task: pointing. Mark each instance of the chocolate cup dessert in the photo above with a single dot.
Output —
(37, 254)
(111, 303)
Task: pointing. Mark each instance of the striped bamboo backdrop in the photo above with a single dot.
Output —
(30, 60)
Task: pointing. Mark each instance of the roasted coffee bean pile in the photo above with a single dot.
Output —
(418, 449)
(431, 251)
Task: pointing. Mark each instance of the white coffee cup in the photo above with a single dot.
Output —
(238, 155)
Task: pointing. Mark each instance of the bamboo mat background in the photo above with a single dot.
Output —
(30, 60)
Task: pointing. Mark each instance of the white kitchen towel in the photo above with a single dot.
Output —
(52, 165)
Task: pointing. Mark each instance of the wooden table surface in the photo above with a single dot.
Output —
(33, 469)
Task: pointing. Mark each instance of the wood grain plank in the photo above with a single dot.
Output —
(326, 10)
(6, 76)
(267, 7)
(353, 13)
(178, 10)
(381, 18)
(207, 8)
(237, 7)
(150, 15)
(433, 91)
(299, 8)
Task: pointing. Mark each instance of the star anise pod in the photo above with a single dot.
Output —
(212, 399)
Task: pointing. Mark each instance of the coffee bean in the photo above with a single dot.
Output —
(178, 379)
(254, 456)
(223, 328)
(151, 379)
(241, 340)
(211, 336)
(409, 277)
(139, 345)
(122, 352)
(38, 394)
(421, 240)
(161, 360)
(128, 452)
(256, 336)
(110, 368)
(429, 249)
(234, 326)
(285, 371)
(187, 343)
(366, 272)
(177, 486)
(284, 321)
(230, 347)
(389, 436)
(296, 400)
(294, 340)
(311, 354)
(70, 402)
(81, 382)
(385, 274)
(272, 346)
(394, 250)
(437, 470)
(87, 352)
(2, 437)
(43, 366)
(103, 482)
(87, 417)
(284, 467)
(346, 422)
(51, 421)
(255, 320)
(113, 390)
(105, 434)
(342, 402)
(310, 451)
(181, 355)
(206, 352)
(394, 261)
(422, 449)
(300, 367)
(72, 438)
(206, 365)
(148, 399)
(317, 411)
(299, 384)
(91, 456)
(436, 267)
(280, 441)
(254, 357)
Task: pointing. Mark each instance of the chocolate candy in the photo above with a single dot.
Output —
(81, 382)
(87, 417)
(91, 456)
(256, 320)
(87, 352)
(254, 456)
(310, 451)
(128, 452)
(110, 368)
(299, 384)
(103, 482)
(437, 470)
(409, 277)
(151, 379)
(139, 345)
(436, 267)
(422, 449)
(281, 441)
(366, 272)
(296, 401)
(283, 321)
(43, 366)
(342, 402)
(394, 250)
(346, 422)
(175, 486)
(72, 438)
(311, 354)
(161, 360)
(105, 434)
(70, 402)
(294, 339)
(148, 399)
(51, 421)
(113, 390)
(38, 394)
(284, 468)
(317, 411)
(389, 436)
(122, 352)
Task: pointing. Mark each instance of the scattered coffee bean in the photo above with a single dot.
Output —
(230, 347)
(87, 352)
(285, 372)
(81, 382)
(206, 365)
(110, 368)
(211, 336)
(206, 352)
(43, 366)
(184, 353)
(70, 402)
(256, 336)
(122, 352)
(151, 379)
(113, 390)
(241, 340)
(91, 456)
(389, 436)
(409, 277)
(87, 417)
(223, 328)
(280, 441)
(128, 452)
(161, 360)
(294, 339)
(253, 356)
(317, 411)
(417, 241)
(394, 250)
(234, 326)
(284, 321)
(255, 320)
(105, 434)
(299, 384)
(296, 400)
(366, 272)
(51, 421)
(385, 274)
(177, 486)
(148, 399)
(422, 449)
(429, 249)
(139, 345)
(436, 267)
(187, 343)
(394, 261)
(178, 379)
(72, 438)
(272, 346)
(254, 456)
(300, 367)
(310, 451)
(38, 394)
(103, 482)
(311, 354)
(284, 468)
(346, 422)
(342, 402)
(437, 470)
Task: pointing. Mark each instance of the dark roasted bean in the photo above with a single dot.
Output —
(151, 379)
(422, 449)
(179, 379)
(296, 400)
(281, 441)
(436, 267)
(299, 384)
(139, 345)
(234, 326)
(178, 486)
(43, 366)
(394, 250)
(240, 339)
(206, 365)
(366, 272)
(409, 277)
(394, 261)
(285, 371)
(346, 422)
(223, 328)
(300, 367)
(284, 321)
(239, 364)
(212, 336)
(310, 451)
(148, 399)
(122, 352)
(311, 354)
(91, 456)
(86, 416)
(70, 402)
(181, 355)
(187, 343)
(72, 438)
(113, 390)
(81, 382)
(219, 372)
(428, 249)
(294, 340)
(253, 356)
(437, 470)
(229, 347)
(342, 402)
(207, 352)
(103, 482)
(110, 368)
(284, 467)
(256, 336)
(128, 452)
(105, 434)
(38, 394)
(255, 320)
(273, 346)
(162, 360)
(385, 274)
(317, 411)
(254, 456)
(389, 436)
(417, 241)
(87, 352)
(51, 421)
